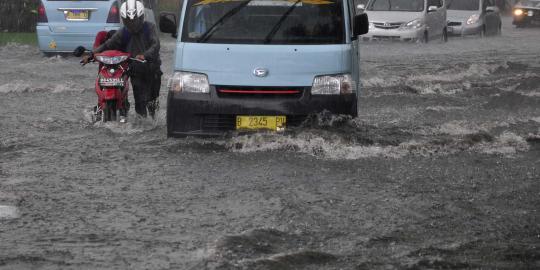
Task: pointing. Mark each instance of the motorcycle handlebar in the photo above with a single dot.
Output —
(92, 59)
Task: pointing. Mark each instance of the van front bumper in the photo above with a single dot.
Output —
(59, 42)
(190, 114)
(377, 34)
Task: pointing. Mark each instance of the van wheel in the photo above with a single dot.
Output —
(445, 35)
(425, 38)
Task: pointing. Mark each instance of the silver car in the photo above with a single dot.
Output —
(406, 20)
(473, 17)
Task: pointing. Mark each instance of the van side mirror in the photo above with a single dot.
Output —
(492, 9)
(167, 23)
(432, 9)
(361, 25)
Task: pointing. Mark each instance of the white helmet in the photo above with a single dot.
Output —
(132, 14)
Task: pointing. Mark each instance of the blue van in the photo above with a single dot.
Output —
(261, 64)
(64, 25)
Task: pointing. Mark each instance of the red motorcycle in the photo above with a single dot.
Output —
(112, 84)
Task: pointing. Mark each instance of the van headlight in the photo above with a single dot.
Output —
(333, 85)
(473, 19)
(188, 82)
(414, 24)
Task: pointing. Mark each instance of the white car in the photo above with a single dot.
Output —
(473, 17)
(406, 20)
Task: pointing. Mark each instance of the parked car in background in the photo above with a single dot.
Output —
(526, 12)
(406, 20)
(473, 17)
(64, 25)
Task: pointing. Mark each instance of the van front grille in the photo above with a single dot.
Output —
(259, 92)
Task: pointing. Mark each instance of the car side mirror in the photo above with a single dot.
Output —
(492, 9)
(361, 25)
(167, 23)
(432, 9)
(79, 51)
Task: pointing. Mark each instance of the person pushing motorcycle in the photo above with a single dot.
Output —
(141, 40)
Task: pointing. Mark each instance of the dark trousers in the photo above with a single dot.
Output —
(146, 82)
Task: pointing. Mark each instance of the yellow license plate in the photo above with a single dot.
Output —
(275, 123)
(78, 15)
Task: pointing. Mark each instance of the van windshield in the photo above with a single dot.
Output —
(397, 5)
(264, 22)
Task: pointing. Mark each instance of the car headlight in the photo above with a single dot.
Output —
(414, 24)
(333, 85)
(518, 12)
(473, 19)
(188, 82)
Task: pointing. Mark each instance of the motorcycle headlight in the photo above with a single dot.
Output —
(111, 60)
(414, 24)
(188, 82)
(473, 19)
(333, 85)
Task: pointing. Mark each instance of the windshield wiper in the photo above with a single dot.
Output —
(276, 27)
(206, 35)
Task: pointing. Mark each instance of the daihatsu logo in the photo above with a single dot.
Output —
(260, 72)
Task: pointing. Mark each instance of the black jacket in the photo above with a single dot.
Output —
(143, 43)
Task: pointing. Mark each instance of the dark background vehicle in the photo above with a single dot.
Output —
(526, 12)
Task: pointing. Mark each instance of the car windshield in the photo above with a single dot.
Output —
(530, 3)
(264, 22)
(397, 5)
(464, 4)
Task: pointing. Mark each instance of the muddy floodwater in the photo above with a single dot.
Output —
(441, 170)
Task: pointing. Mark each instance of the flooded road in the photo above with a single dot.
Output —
(441, 170)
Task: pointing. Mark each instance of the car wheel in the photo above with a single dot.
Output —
(48, 54)
(425, 37)
(445, 35)
(483, 32)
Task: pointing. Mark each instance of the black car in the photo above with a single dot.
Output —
(526, 12)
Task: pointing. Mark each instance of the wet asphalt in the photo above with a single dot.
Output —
(441, 170)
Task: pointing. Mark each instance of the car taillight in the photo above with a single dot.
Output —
(42, 15)
(114, 14)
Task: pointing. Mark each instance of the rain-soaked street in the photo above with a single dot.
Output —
(441, 170)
